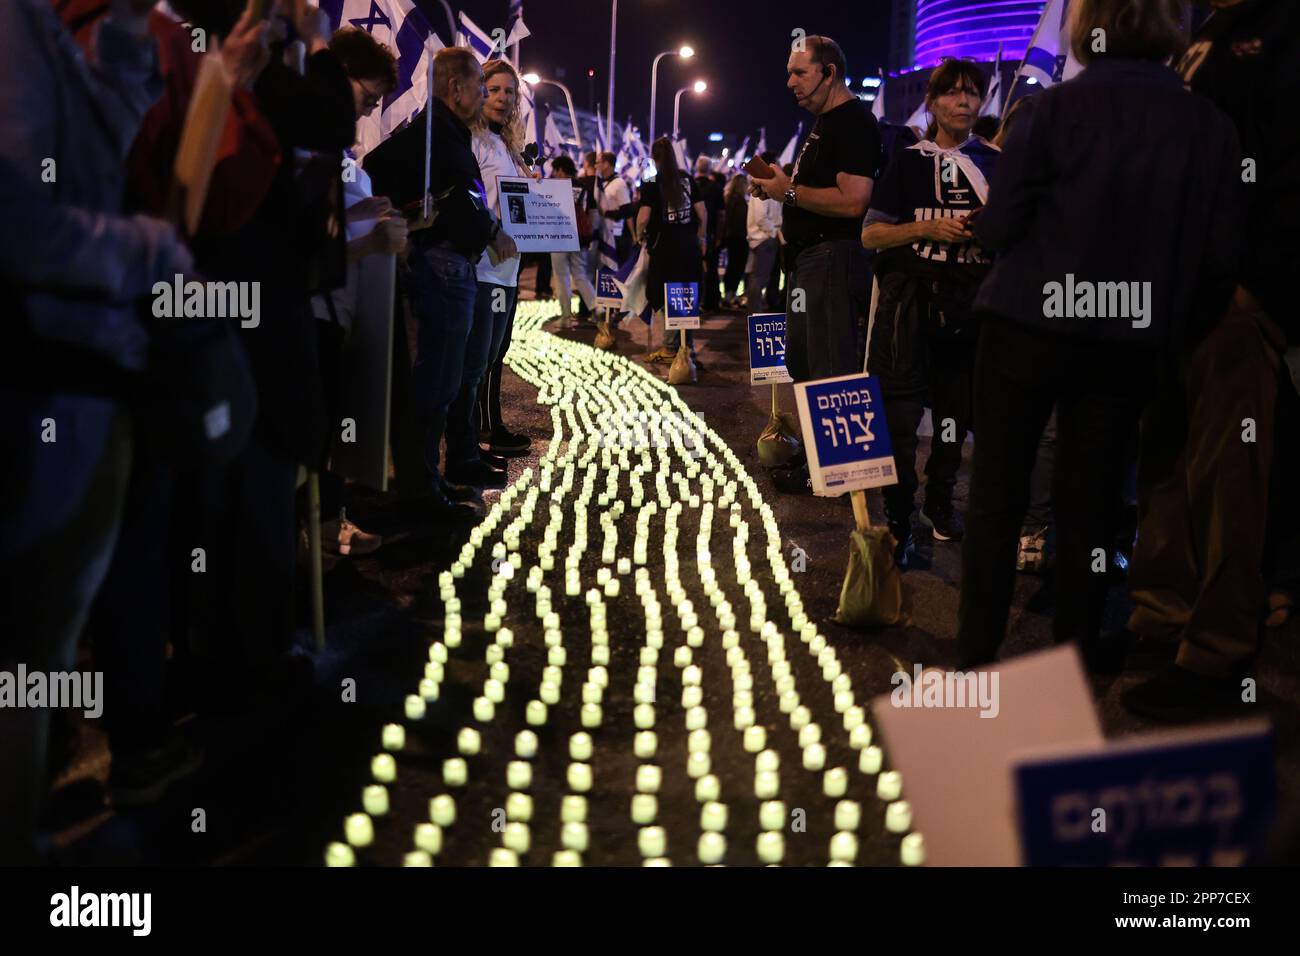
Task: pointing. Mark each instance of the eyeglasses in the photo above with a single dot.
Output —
(371, 100)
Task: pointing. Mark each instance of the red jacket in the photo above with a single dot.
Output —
(249, 154)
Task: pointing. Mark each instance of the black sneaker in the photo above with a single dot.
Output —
(503, 442)
(943, 521)
(488, 458)
(456, 493)
(792, 479)
(475, 474)
(141, 779)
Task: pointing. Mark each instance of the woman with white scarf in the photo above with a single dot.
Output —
(929, 269)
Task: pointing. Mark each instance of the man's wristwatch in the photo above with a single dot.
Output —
(790, 197)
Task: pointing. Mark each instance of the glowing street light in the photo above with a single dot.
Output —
(699, 87)
(685, 52)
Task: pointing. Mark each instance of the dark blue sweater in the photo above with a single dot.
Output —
(1117, 176)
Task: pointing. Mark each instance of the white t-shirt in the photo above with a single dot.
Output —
(763, 220)
(494, 161)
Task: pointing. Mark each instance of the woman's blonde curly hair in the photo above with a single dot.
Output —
(512, 130)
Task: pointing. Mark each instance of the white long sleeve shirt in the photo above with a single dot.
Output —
(495, 161)
(762, 222)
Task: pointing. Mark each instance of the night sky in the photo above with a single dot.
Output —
(740, 50)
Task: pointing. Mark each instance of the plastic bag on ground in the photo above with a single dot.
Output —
(872, 595)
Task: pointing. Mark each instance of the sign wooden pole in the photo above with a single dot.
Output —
(317, 575)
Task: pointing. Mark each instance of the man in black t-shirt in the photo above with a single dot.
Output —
(828, 292)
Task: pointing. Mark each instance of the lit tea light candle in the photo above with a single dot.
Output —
(755, 739)
(519, 774)
(394, 737)
(645, 806)
(870, 760)
(644, 744)
(340, 854)
(428, 837)
(844, 847)
(835, 782)
(503, 856)
(383, 768)
(696, 718)
(712, 847)
(359, 830)
(535, 713)
(566, 858)
(484, 710)
(526, 744)
(810, 734)
(648, 778)
(707, 788)
(573, 808)
(374, 800)
(455, 772)
(516, 837)
(428, 689)
(913, 850)
(580, 747)
(713, 817)
(800, 717)
(898, 817)
(442, 810)
(651, 841)
(889, 785)
(494, 690)
(643, 715)
(579, 777)
(692, 697)
(697, 765)
(766, 784)
(771, 815)
(468, 742)
(814, 757)
(549, 692)
(743, 718)
(767, 760)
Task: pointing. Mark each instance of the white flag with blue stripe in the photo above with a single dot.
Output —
(400, 26)
(1049, 59)
(478, 41)
(787, 154)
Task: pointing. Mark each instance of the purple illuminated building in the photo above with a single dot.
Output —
(925, 31)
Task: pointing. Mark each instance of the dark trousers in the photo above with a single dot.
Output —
(709, 288)
(1099, 390)
(737, 258)
(489, 393)
(443, 291)
(59, 521)
(1203, 496)
(492, 311)
(829, 292)
(1039, 514)
(950, 369)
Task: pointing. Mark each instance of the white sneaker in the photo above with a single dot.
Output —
(344, 537)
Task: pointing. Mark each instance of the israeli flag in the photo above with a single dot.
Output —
(478, 42)
(787, 154)
(878, 104)
(1048, 59)
(399, 25)
(992, 105)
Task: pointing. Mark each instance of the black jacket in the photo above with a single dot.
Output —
(396, 168)
(1119, 175)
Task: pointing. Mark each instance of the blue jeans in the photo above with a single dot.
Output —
(443, 290)
(492, 310)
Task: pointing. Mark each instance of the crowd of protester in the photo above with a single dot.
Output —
(141, 436)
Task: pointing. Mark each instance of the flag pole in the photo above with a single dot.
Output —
(428, 133)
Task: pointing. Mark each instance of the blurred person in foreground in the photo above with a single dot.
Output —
(1208, 439)
(1080, 308)
(74, 269)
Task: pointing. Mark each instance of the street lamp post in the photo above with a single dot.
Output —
(685, 53)
(536, 80)
(699, 87)
(613, 31)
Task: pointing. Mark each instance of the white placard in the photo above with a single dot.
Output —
(538, 214)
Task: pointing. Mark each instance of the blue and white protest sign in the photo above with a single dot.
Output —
(767, 348)
(682, 305)
(845, 435)
(1195, 798)
(608, 292)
